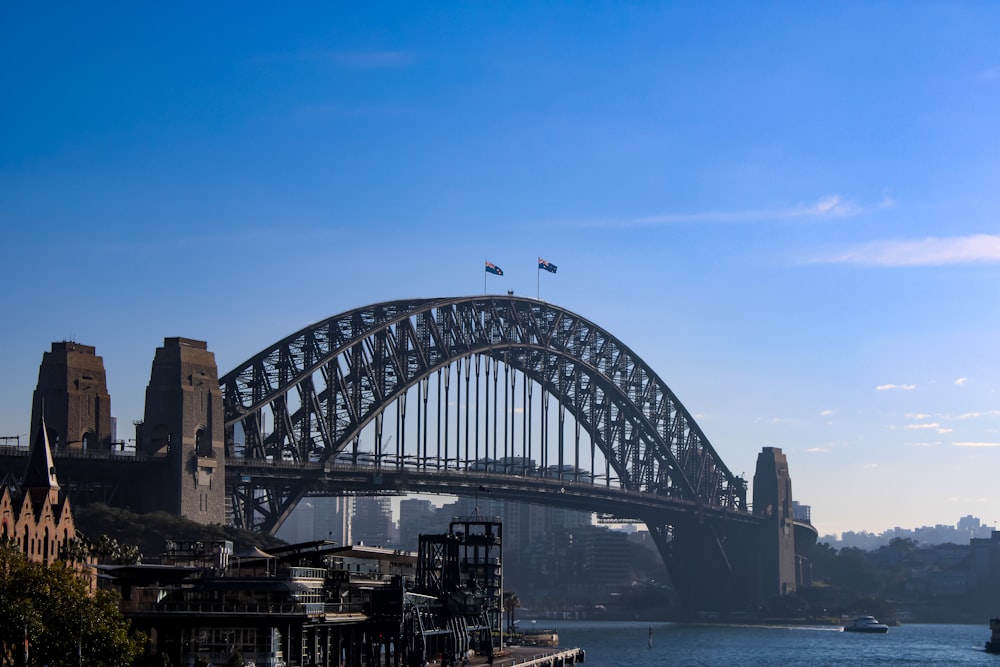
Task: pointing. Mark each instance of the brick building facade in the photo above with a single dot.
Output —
(37, 516)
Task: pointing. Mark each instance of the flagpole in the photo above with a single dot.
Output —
(538, 282)
(484, 277)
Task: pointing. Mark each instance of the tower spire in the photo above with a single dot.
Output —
(40, 474)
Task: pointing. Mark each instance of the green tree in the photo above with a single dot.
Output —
(905, 546)
(822, 556)
(64, 624)
(107, 549)
(510, 602)
(74, 551)
(150, 532)
(854, 571)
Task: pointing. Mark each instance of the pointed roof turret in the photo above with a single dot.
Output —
(40, 474)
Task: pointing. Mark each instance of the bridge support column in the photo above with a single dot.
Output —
(184, 422)
(772, 498)
(72, 391)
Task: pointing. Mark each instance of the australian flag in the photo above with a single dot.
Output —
(547, 265)
(494, 269)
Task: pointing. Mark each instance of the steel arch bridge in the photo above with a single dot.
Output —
(337, 392)
(325, 383)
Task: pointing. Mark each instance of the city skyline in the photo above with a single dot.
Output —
(788, 211)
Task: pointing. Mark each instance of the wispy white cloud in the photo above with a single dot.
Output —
(961, 381)
(826, 413)
(916, 426)
(373, 59)
(923, 444)
(828, 207)
(930, 251)
(973, 415)
(902, 387)
(975, 444)
(917, 415)
(817, 450)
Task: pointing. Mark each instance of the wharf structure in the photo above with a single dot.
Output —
(321, 604)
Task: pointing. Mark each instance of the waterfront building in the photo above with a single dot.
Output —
(318, 603)
(37, 517)
(305, 604)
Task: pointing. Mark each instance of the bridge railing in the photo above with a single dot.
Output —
(391, 463)
(244, 608)
(86, 454)
(582, 493)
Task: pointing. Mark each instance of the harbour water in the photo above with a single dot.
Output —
(610, 644)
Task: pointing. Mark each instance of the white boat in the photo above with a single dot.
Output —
(866, 624)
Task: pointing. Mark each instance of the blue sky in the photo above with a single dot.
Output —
(788, 209)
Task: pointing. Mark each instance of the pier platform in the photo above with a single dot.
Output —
(529, 656)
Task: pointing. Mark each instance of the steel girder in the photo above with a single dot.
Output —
(326, 382)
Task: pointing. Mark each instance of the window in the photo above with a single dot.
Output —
(202, 443)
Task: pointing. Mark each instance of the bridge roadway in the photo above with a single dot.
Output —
(338, 478)
(100, 475)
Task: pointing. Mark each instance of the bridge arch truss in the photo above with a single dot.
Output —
(324, 385)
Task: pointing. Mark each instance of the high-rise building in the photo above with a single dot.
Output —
(320, 518)
(372, 520)
(333, 519)
(969, 524)
(416, 516)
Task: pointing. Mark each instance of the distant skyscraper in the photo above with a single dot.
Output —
(372, 520)
(969, 524)
(320, 518)
(416, 516)
(333, 519)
